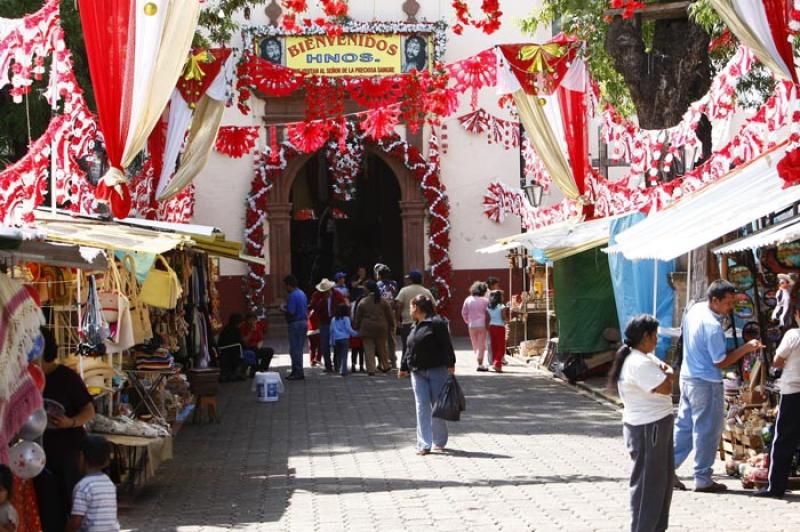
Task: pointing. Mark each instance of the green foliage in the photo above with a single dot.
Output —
(584, 19)
(218, 22)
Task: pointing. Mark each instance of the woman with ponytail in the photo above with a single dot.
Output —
(645, 387)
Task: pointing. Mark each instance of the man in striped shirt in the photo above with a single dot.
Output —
(94, 500)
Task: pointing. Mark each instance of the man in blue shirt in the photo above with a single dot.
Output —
(701, 414)
(296, 317)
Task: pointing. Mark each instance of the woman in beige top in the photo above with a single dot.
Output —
(374, 321)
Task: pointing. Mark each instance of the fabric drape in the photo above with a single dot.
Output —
(748, 20)
(576, 133)
(181, 17)
(546, 143)
(205, 119)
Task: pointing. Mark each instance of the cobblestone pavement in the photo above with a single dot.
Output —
(337, 454)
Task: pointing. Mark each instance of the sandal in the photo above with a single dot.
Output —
(423, 452)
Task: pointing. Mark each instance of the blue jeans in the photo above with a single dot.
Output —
(701, 417)
(325, 344)
(297, 341)
(340, 350)
(427, 383)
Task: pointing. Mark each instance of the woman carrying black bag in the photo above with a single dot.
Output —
(429, 359)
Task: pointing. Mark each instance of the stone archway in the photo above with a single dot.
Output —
(279, 218)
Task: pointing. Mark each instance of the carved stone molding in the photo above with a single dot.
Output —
(411, 8)
(274, 12)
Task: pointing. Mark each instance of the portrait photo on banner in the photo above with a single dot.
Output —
(416, 53)
(271, 48)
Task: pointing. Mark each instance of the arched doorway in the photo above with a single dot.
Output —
(330, 235)
(280, 224)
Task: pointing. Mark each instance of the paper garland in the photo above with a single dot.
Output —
(236, 142)
(500, 201)
(24, 45)
(269, 168)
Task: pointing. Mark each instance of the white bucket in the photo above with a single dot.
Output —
(268, 386)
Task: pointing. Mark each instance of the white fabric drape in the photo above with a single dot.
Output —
(747, 19)
(161, 65)
(205, 119)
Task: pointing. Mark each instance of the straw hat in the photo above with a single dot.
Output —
(325, 285)
(785, 277)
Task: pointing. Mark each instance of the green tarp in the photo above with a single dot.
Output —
(584, 299)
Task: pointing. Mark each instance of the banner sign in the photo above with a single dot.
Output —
(351, 54)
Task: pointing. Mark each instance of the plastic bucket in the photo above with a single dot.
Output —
(268, 386)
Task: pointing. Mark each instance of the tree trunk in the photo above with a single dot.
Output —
(664, 81)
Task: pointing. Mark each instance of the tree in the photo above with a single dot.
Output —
(657, 67)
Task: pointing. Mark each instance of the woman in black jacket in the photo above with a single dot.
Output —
(429, 357)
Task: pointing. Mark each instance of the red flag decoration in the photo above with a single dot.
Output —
(136, 52)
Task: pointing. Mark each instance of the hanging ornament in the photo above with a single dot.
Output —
(489, 24)
(308, 137)
(34, 426)
(381, 122)
(26, 459)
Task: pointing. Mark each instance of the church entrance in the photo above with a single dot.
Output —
(329, 235)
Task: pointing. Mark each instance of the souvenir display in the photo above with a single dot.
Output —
(743, 307)
(741, 277)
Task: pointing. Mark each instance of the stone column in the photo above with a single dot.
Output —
(413, 215)
(279, 216)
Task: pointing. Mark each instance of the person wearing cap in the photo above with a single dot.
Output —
(403, 304)
(324, 303)
(701, 413)
(341, 284)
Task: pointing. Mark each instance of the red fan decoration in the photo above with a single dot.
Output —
(308, 137)
(474, 73)
(236, 141)
(789, 168)
(381, 122)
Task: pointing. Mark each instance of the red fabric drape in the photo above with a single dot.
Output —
(576, 132)
(557, 65)
(193, 90)
(778, 18)
(108, 30)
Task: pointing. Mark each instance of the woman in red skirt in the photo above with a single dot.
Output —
(498, 317)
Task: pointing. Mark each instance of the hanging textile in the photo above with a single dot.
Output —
(202, 104)
(548, 85)
(633, 284)
(763, 26)
(584, 300)
(136, 51)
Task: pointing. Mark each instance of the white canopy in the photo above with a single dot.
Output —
(787, 231)
(499, 247)
(559, 241)
(747, 193)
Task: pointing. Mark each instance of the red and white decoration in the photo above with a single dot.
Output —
(205, 77)
(269, 167)
(136, 51)
(25, 43)
(236, 142)
(345, 157)
(651, 151)
(501, 201)
(549, 84)
(488, 24)
(763, 26)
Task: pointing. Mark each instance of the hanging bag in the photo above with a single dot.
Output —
(161, 288)
(140, 313)
(94, 329)
(110, 293)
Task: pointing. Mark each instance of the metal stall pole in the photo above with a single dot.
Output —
(547, 299)
(655, 287)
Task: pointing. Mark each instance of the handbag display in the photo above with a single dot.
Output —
(94, 330)
(140, 314)
(110, 293)
(161, 288)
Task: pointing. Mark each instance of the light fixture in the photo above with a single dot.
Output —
(534, 192)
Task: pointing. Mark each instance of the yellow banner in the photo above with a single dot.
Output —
(354, 54)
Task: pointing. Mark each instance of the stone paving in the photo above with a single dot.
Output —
(337, 454)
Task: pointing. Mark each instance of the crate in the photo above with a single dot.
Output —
(204, 381)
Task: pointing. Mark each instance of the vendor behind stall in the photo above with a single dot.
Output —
(69, 407)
